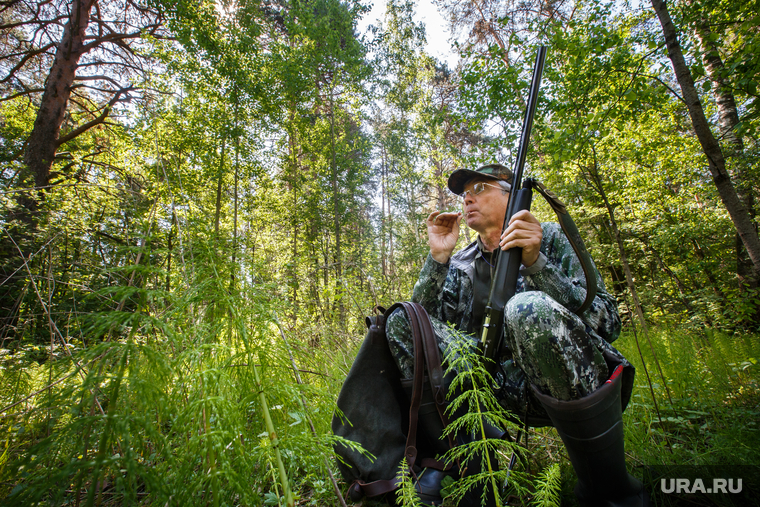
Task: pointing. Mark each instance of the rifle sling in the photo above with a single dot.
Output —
(574, 236)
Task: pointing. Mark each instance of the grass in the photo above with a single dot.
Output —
(171, 415)
(711, 411)
(703, 418)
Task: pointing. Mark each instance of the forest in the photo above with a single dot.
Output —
(201, 201)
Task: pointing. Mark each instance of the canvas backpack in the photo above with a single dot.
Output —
(390, 417)
(394, 418)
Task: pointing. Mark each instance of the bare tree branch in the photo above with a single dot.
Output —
(87, 126)
(21, 94)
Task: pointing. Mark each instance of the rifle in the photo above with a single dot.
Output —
(504, 282)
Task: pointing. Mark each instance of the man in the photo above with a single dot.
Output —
(558, 365)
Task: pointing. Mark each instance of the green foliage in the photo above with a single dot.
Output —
(406, 494)
(472, 406)
(171, 412)
(712, 380)
(548, 486)
(278, 164)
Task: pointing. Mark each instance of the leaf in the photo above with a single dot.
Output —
(297, 417)
(271, 498)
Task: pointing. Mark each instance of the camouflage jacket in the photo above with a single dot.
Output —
(445, 290)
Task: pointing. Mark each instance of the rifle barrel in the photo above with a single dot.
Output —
(522, 152)
(504, 280)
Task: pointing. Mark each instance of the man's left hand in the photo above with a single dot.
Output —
(524, 231)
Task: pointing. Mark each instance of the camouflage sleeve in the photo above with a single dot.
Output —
(563, 279)
(427, 290)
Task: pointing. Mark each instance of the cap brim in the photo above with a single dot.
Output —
(460, 177)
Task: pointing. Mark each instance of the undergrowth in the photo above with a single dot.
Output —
(701, 413)
(164, 409)
(706, 403)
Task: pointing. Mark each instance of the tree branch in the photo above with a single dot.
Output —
(84, 128)
(20, 94)
(33, 21)
(97, 78)
(98, 63)
(114, 38)
(28, 56)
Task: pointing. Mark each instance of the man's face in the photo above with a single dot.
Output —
(485, 210)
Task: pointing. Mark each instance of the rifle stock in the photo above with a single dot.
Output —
(504, 282)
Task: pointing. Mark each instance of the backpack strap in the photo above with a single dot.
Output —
(418, 382)
(574, 236)
(360, 489)
(432, 358)
(432, 363)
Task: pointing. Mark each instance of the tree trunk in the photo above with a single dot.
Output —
(383, 260)
(339, 289)
(441, 193)
(728, 118)
(728, 121)
(316, 302)
(170, 247)
(716, 162)
(43, 141)
(391, 264)
(597, 183)
(220, 179)
(233, 267)
(293, 163)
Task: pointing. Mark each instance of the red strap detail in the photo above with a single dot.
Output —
(618, 370)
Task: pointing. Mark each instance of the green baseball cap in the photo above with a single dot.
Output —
(460, 177)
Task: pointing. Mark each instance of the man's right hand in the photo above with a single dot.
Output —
(443, 233)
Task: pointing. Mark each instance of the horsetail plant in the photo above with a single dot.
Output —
(406, 495)
(275, 442)
(548, 487)
(472, 406)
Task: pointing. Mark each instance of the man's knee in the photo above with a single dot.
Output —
(397, 323)
(551, 346)
(538, 327)
(400, 342)
(528, 300)
(532, 308)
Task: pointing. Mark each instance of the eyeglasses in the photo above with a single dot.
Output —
(479, 187)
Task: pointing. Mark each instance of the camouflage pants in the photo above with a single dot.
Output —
(550, 349)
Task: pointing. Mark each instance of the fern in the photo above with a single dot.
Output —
(548, 487)
(472, 407)
(406, 495)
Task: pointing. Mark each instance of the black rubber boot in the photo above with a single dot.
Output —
(428, 486)
(481, 495)
(592, 431)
